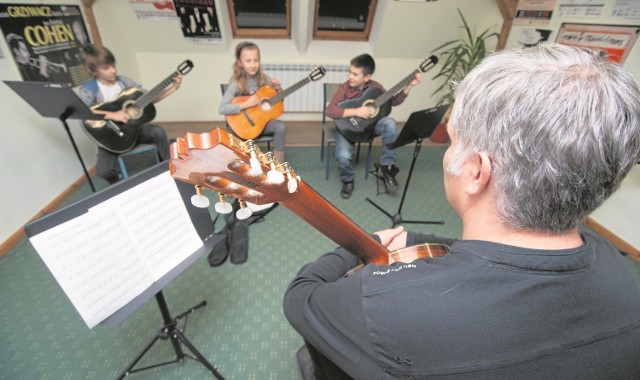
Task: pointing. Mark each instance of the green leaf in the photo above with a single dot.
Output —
(458, 57)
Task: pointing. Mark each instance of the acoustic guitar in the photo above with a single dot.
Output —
(250, 122)
(120, 137)
(379, 103)
(223, 163)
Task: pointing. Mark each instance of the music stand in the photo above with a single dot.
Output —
(56, 100)
(419, 126)
(204, 227)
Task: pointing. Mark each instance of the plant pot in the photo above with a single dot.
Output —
(440, 135)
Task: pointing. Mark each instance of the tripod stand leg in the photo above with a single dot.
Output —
(171, 331)
(396, 219)
(197, 354)
(135, 361)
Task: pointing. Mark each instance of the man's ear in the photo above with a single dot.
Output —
(480, 173)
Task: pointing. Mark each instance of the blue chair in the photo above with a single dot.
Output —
(137, 159)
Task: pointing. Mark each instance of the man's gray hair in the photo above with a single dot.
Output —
(560, 126)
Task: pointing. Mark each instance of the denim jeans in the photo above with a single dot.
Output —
(385, 127)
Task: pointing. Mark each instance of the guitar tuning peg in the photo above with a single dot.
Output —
(222, 206)
(274, 177)
(292, 182)
(256, 168)
(199, 200)
(244, 212)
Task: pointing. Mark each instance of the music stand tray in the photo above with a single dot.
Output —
(56, 100)
(53, 99)
(419, 126)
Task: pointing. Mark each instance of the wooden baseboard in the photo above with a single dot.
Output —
(614, 239)
(17, 236)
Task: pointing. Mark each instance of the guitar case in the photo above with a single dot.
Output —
(236, 244)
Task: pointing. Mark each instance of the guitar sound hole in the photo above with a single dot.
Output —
(265, 106)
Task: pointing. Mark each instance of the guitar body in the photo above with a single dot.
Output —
(355, 128)
(121, 137)
(106, 136)
(250, 122)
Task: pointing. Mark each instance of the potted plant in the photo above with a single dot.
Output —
(458, 57)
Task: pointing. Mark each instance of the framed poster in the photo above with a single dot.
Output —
(198, 20)
(154, 9)
(45, 41)
(614, 41)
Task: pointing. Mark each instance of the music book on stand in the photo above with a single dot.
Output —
(53, 99)
(420, 124)
(107, 254)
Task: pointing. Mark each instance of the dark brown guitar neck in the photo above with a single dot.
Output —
(331, 222)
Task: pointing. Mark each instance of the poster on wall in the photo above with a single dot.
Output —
(613, 41)
(198, 20)
(626, 9)
(534, 12)
(45, 41)
(155, 10)
(581, 8)
(530, 37)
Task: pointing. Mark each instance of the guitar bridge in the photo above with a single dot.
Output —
(115, 128)
(246, 115)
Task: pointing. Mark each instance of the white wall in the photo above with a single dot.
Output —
(39, 162)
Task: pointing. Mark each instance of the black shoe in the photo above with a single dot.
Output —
(389, 176)
(347, 190)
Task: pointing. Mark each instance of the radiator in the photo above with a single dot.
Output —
(309, 97)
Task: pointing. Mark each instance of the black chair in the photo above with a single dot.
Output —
(329, 133)
(265, 137)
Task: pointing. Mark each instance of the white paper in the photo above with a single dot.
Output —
(106, 257)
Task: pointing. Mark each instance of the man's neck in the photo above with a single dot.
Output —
(490, 229)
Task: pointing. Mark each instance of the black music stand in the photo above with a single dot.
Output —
(56, 100)
(204, 227)
(419, 126)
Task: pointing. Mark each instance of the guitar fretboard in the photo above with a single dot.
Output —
(282, 94)
(148, 96)
(382, 99)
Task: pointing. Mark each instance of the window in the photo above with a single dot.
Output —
(260, 18)
(343, 19)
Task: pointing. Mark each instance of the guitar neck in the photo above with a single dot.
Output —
(148, 96)
(382, 99)
(282, 94)
(313, 208)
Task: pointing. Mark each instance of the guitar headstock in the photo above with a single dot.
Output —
(221, 162)
(317, 73)
(185, 67)
(428, 63)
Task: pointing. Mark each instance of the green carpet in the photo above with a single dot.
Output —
(242, 330)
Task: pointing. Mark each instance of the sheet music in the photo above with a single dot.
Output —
(106, 257)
